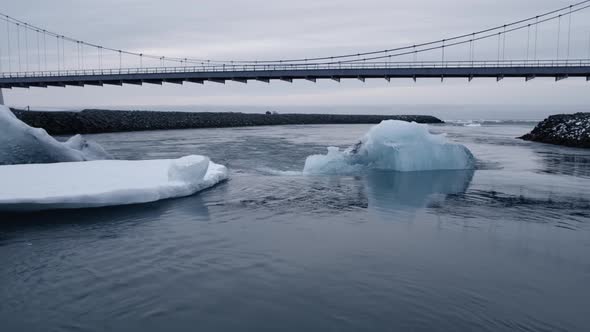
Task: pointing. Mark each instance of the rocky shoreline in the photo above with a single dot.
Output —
(104, 121)
(563, 129)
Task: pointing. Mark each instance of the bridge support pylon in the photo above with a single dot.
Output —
(1, 98)
(560, 77)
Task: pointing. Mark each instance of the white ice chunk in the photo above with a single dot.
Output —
(89, 149)
(104, 182)
(22, 144)
(394, 145)
(188, 168)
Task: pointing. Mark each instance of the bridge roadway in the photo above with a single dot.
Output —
(220, 74)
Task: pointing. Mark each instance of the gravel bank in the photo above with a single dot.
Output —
(103, 121)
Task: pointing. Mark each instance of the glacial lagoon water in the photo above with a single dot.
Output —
(503, 248)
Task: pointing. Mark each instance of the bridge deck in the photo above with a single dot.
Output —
(140, 76)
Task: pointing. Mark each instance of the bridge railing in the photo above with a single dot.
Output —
(300, 66)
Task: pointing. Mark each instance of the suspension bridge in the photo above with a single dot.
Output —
(544, 45)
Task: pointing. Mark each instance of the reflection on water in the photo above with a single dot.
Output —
(393, 192)
(117, 219)
(480, 206)
(387, 192)
(574, 162)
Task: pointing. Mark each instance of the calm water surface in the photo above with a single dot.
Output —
(502, 248)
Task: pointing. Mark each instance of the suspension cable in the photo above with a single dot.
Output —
(8, 48)
(472, 49)
(536, 36)
(331, 58)
(57, 54)
(38, 52)
(528, 42)
(558, 35)
(417, 45)
(504, 44)
(460, 42)
(499, 42)
(18, 45)
(45, 50)
(443, 52)
(63, 52)
(348, 58)
(26, 48)
(446, 45)
(569, 34)
(82, 56)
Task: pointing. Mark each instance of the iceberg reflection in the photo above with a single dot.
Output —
(409, 191)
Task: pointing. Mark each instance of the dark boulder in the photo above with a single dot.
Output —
(563, 129)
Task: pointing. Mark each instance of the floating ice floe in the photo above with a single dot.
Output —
(104, 182)
(37, 172)
(22, 144)
(394, 145)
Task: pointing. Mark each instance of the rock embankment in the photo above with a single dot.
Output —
(563, 129)
(103, 121)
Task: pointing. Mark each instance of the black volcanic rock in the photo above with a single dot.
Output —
(563, 129)
(102, 121)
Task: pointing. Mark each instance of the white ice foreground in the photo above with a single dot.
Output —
(104, 183)
(397, 146)
(22, 144)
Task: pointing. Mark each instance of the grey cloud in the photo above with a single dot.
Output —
(234, 29)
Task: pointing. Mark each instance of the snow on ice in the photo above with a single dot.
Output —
(104, 182)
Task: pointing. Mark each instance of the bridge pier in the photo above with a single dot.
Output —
(1, 98)
(560, 77)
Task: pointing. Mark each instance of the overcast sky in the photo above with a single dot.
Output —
(255, 29)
